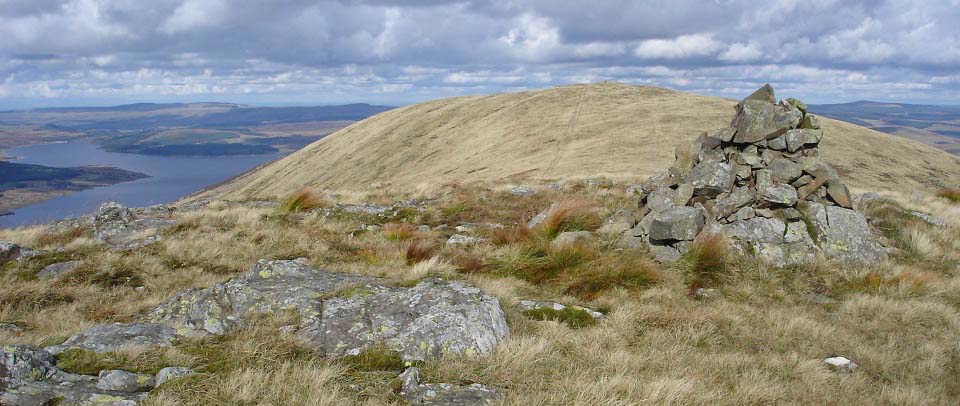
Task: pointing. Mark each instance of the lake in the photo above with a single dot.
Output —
(170, 178)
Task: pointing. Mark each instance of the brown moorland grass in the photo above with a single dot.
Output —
(952, 195)
(571, 215)
(419, 251)
(623, 132)
(760, 340)
(302, 200)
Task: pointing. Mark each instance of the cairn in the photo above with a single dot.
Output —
(761, 183)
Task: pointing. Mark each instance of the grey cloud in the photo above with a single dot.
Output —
(402, 51)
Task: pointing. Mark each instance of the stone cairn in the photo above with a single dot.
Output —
(761, 183)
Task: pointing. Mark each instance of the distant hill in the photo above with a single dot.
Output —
(938, 126)
(206, 129)
(608, 129)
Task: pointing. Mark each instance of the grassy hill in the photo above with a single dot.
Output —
(614, 130)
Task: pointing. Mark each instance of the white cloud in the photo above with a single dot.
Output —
(684, 46)
(194, 14)
(390, 50)
(532, 37)
(595, 49)
(740, 52)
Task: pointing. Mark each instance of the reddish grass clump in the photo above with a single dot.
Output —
(399, 231)
(419, 251)
(571, 216)
(465, 263)
(510, 235)
(305, 199)
(705, 264)
(952, 195)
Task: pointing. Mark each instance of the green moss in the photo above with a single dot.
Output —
(376, 358)
(575, 318)
(57, 401)
(86, 362)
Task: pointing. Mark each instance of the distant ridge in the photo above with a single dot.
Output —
(608, 129)
(937, 126)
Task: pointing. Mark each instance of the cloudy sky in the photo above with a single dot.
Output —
(282, 52)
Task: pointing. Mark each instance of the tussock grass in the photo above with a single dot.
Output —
(302, 200)
(510, 235)
(399, 232)
(619, 270)
(952, 195)
(706, 263)
(419, 251)
(573, 215)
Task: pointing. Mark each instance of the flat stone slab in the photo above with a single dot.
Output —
(113, 337)
(445, 394)
(344, 314)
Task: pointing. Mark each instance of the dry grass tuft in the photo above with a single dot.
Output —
(419, 251)
(305, 199)
(952, 195)
(399, 231)
(510, 235)
(705, 264)
(574, 215)
(627, 270)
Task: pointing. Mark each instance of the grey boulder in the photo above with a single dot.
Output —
(845, 235)
(711, 178)
(344, 314)
(123, 381)
(8, 252)
(540, 217)
(780, 194)
(681, 223)
(55, 270)
(784, 170)
(113, 337)
(170, 373)
(760, 120)
(120, 227)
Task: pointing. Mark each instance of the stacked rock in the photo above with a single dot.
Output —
(761, 182)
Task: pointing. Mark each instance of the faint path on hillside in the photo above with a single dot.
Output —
(567, 132)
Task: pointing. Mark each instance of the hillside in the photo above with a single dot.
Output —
(615, 130)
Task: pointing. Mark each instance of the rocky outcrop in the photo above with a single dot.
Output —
(13, 252)
(30, 377)
(446, 394)
(125, 229)
(55, 270)
(344, 314)
(8, 252)
(113, 337)
(170, 373)
(761, 182)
